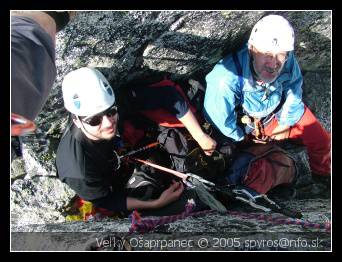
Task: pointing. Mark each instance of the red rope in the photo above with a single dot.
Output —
(144, 225)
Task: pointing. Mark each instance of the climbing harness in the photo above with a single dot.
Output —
(259, 127)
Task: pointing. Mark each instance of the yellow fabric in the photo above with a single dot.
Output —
(83, 212)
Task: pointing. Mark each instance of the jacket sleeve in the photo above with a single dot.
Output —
(220, 100)
(293, 107)
(33, 68)
(99, 195)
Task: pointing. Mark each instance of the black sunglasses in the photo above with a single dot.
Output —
(97, 119)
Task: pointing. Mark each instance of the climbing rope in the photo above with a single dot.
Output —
(138, 224)
(278, 220)
(145, 225)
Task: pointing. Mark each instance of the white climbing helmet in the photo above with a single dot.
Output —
(272, 33)
(86, 92)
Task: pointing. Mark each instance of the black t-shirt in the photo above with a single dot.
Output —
(88, 167)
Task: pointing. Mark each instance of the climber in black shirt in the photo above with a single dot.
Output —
(85, 156)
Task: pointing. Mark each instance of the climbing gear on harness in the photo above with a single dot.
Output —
(258, 127)
(272, 33)
(259, 124)
(259, 130)
(86, 92)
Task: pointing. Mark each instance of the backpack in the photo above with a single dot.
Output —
(178, 146)
(147, 182)
(261, 167)
(187, 157)
(148, 185)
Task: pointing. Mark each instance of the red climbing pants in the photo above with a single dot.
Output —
(309, 132)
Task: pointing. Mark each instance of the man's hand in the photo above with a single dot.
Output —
(281, 132)
(207, 144)
(171, 194)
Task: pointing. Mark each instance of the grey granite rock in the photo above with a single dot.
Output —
(128, 45)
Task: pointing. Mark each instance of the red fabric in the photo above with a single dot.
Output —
(270, 167)
(262, 180)
(163, 117)
(96, 211)
(309, 132)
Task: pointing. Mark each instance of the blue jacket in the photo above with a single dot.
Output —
(224, 94)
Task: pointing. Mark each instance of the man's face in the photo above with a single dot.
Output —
(268, 65)
(101, 126)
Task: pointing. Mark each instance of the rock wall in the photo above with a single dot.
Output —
(130, 45)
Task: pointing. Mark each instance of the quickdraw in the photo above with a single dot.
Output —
(259, 127)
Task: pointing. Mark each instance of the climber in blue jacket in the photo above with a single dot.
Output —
(257, 92)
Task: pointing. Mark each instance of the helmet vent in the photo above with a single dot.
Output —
(76, 101)
(109, 91)
(275, 41)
